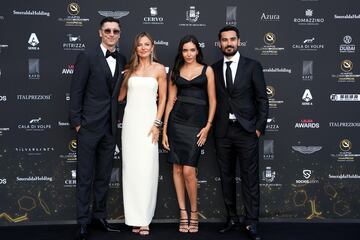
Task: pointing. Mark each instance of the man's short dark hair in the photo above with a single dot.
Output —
(229, 28)
(109, 19)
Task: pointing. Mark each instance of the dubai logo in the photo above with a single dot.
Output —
(347, 47)
(347, 39)
(114, 14)
(73, 145)
(73, 9)
(270, 91)
(346, 65)
(345, 145)
(269, 38)
(192, 15)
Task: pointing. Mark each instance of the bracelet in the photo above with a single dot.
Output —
(165, 124)
(210, 123)
(158, 123)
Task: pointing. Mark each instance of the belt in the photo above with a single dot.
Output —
(192, 100)
(233, 121)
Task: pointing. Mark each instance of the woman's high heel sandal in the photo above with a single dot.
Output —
(183, 225)
(194, 223)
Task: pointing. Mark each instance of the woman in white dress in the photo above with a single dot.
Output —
(145, 80)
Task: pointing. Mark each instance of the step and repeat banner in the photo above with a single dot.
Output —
(309, 157)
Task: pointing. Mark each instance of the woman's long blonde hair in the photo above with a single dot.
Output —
(134, 60)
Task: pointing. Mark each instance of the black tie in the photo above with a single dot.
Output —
(113, 54)
(228, 75)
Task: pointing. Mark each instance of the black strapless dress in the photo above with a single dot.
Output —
(188, 116)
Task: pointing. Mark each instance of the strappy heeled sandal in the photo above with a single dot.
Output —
(135, 229)
(184, 223)
(194, 223)
(144, 231)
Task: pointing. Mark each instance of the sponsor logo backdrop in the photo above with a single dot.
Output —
(309, 157)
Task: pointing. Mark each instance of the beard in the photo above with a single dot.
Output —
(228, 53)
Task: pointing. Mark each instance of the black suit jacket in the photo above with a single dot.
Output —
(94, 92)
(248, 99)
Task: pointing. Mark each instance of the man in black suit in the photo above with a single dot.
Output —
(93, 113)
(240, 120)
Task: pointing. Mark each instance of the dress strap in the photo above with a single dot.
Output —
(204, 69)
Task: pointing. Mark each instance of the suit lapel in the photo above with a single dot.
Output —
(220, 73)
(105, 66)
(118, 80)
(239, 71)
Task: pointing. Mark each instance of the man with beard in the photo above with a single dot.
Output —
(240, 120)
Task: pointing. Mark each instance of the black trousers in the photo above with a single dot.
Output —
(244, 146)
(95, 155)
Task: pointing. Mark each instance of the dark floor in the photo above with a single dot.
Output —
(208, 231)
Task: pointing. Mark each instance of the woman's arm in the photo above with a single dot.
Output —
(123, 92)
(203, 134)
(169, 105)
(162, 92)
(211, 94)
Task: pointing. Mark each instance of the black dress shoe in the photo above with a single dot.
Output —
(230, 225)
(82, 233)
(252, 232)
(104, 225)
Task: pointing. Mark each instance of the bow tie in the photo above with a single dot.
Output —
(113, 54)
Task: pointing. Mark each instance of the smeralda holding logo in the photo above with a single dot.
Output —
(34, 179)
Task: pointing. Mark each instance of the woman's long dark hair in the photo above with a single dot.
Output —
(179, 59)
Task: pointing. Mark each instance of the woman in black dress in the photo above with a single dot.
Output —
(187, 123)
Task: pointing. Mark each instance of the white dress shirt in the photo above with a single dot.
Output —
(110, 60)
(233, 66)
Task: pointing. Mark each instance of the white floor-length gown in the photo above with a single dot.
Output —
(140, 157)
